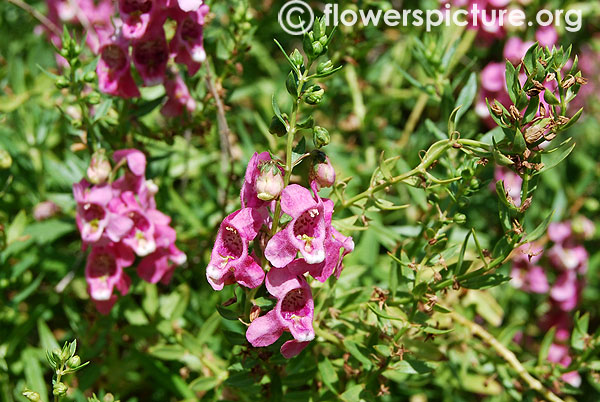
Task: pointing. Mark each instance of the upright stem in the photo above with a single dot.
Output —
(291, 134)
(507, 355)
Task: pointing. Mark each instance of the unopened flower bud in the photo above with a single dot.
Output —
(297, 58)
(277, 127)
(45, 210)
(74, 361)
(59, 389)
(321, 136)
(325, 67)
(254, 313)
(269, 182)
(31, 395)
(317, 48)
(5, 159)
(90, 76)
(321, 170)
(94, 98)
(314, 95)
(62, 83)
(99, 168)
(460, 218)
(583, 227)
(108, 398)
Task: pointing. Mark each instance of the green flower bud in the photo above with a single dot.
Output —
(74, 361)
(324, 67)
(31, 395)
(321, 136)
(57, 354)
(317, 48)
(314, 95)
(291, 84)
(297, 58)
(59, 389)
(108, 398)
(460, 218)
(90, 76)
(5, 159)
(93, 98)
(62, 83)
(323, 40)
(277, 127)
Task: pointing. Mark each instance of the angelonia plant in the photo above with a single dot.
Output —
(118, 220)
(285, 228)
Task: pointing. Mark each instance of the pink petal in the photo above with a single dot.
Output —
(118, 226)
(153, 267)
(292, 348)
(136, 160)
(296, 199)
(280, 251)
(265, 330)
(249, 273)
(189, 5)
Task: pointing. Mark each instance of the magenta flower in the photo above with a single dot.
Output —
(293, 312)
(93, 218)
(334, 244)
(322, 171)
(306, 233)
(150, 55)
(515, 48)
(230, 260)
(558, 232)
(573, 258)
(187, 46)
(113, 69)
(136, 15)
(566, 290)
(546, 36)
(179, 98)
(560, 354)
(249, 194)
(530, 278)
(160, 265)
(104, 273)
(141, 235)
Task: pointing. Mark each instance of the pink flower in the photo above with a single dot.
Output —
(569, 257)
(150, 55)
(93, 218)
(45, 210)
(528, 253)
(179, 98)
(321, 170)
(230, 261)
(515, 49)
(530, 278)
(136, 15)
(306, 232)
(293, 312)
(547, 36)
(141, 235)
(136, 160)
(249, 194)
(113, 69)
(160, 265)
(99, 169)
(104, 273)
(560, 354)
(566, 291)
(558, 232)
(187, 45)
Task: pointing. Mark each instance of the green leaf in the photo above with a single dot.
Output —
(277, 111)
(410, 366)
(227, 314)
(102, 109)
(555, 156)
(167, 352)
(355, 351)
(461, 268)
(573, 120)
(550, 98)
(47, 340)
(485, 281)
(466, 96)
(352, 394)
(519, 144)
(545, 346)
(34, 376)
(328, 374)
(201, 384)
(540, 230)
(580, 332)
(452, 120)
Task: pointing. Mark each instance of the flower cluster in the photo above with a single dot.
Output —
(119, 220)
(568, 260)
(138, 36)
(307, 244)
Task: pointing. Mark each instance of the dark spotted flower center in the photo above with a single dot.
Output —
(294, 304)
(114, 57)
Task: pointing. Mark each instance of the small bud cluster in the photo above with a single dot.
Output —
(63, 361)
(119, 220)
